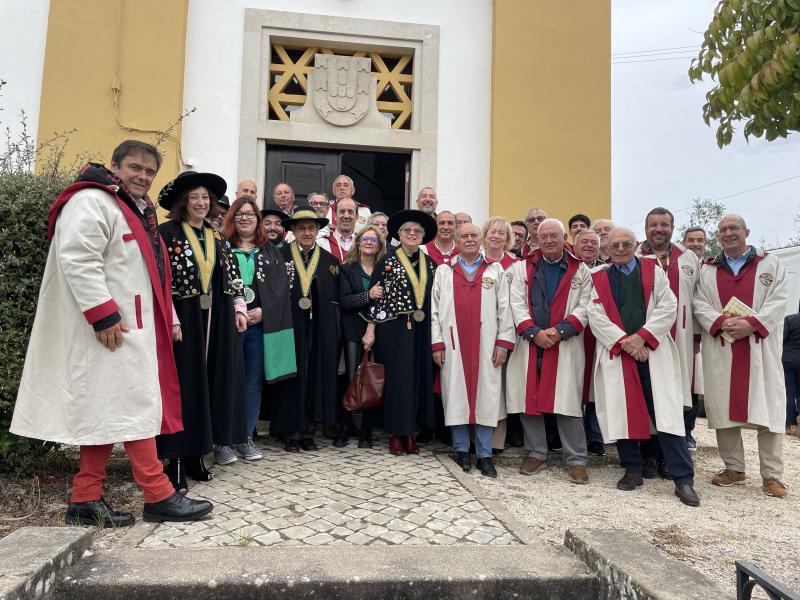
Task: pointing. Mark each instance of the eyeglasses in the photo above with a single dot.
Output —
(370, 239)
(730, 228)
(317, 204)
(411, 231)
(243, 216)
(535, 219)
(551, 236)
(618, 245)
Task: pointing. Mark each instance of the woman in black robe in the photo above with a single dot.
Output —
(400, 329)
(354, 295)
(209, 310)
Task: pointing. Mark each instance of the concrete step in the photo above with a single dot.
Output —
(351, 572)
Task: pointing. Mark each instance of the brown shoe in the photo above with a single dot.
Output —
(773, 487)
(727, 478)
(791, 430)
(579, 474)
(532, 465)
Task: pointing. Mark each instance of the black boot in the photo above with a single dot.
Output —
(97, 512)
(341, 437)
(176, 508)
(365, 439)
(176, 472)
(196, 469)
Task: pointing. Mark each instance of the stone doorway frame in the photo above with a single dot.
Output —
(256, 131)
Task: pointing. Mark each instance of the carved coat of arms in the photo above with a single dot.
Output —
(341, 86)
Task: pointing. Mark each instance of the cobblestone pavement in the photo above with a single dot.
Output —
(334, 497)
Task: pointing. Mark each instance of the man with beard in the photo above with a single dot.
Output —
(520, 235)
(272, 218)
(427, 201)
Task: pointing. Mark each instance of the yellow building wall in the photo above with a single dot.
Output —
(91, 45)
(551, 108)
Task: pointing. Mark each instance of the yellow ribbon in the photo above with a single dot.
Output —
(305, 275)
(418, 283)
(204, 259)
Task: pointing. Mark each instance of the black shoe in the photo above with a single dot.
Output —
(341, 439)
(687, 495)
(425, 435)
(176, 473)
(308, 444)
(649, 468)
(596, 448)
(630, 481)
(516, 441)
(98, 513)
(292, 446)
(486, 467)
(496, 451)
(472, 449)
(176, 508)
(365, 440)
(463, 460)
(663, 471)
(196, 469)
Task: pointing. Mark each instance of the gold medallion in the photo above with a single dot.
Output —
(304, 303)
(419, 316)
(205, 301)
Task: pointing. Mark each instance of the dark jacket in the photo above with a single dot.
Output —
(352, 298)
(791, 340)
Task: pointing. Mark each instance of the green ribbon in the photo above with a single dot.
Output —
(247, 263)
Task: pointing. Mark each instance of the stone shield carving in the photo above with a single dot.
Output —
(341, 88)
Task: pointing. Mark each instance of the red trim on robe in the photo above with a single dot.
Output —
(171, 421)
(648, 338)
(589, 344)
(335, 249)
(467, 296)
(716, 326)
(437, 256)
(437, 346)
(505, 262)
(635, 404)
(742, 286)
(101, 311)
(504, 344)
(575, 322)
(760, 330)
(673, 274)
(540, 393)
(524, 325)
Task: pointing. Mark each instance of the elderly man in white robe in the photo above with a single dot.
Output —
(741, 348)
(549, 293)
(472, 333)
(637, 377)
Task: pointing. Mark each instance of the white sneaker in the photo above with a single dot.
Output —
(224, 455)
(249, 451)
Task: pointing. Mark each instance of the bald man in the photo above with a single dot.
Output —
(343, 187)
(246, 187)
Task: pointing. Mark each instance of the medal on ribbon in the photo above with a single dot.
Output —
(304, 274)
(204, 258)
(418, 281)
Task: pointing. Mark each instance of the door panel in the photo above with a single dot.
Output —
(304, 170)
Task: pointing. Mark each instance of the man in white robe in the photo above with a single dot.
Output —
(472, 333)
(637, 375)
(549, 293)
(742, 372)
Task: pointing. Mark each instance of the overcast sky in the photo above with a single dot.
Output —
(662, 151)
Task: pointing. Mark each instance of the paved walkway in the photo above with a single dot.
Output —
(346, 496)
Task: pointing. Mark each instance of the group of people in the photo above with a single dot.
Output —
(523, 332)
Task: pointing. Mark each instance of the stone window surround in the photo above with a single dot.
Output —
(256, 131)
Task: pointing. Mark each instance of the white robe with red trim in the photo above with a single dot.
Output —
(621, 410)
(468, 319)
(743, 382)
(560, 388)
(683, 272)
(73, 389)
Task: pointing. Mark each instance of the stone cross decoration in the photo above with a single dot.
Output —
(341, 92)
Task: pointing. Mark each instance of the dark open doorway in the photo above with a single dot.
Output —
(381, 178)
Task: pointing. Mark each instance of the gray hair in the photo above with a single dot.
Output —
(553, 222)
(622, 230)
(343, 176)
(736, 217)
(584, 232)
(457, 234)
(599, 222)
(378, 213)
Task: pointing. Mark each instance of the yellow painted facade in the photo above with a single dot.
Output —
(99, 50)
(551, 108)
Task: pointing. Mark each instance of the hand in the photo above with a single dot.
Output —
(543, 340)
(111, 337)
(633, 345)
(499, 357)
(738, 327)
(376, 291)
(241, 322)
(438, 358)
(254, 316)
(554, 334)
(368, 340)
(177, 334)
(641, 355)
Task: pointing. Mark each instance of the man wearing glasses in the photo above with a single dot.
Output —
(520, 235)
(741, 348)
(637, 370)
(533, 218)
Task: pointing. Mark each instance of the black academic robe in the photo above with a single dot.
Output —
(310, 397)
(212, 383)
(403, 346)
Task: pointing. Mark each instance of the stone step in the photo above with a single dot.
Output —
(351, 572)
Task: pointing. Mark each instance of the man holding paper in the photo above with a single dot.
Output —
(740, 302)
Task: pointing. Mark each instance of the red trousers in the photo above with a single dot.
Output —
(148, 473)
